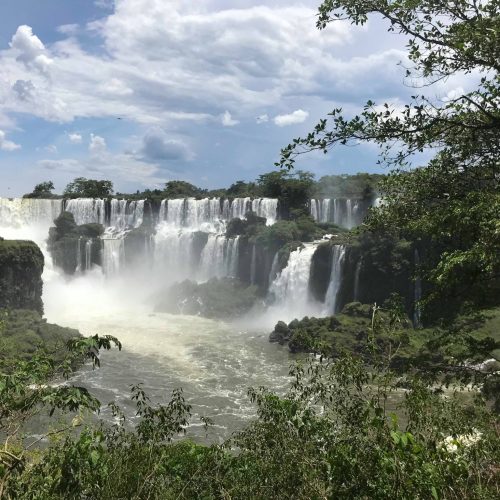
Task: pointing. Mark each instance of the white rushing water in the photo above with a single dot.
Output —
(290, 288)
(344, 212)
(177, 241)
(335, 280)
(87, 210)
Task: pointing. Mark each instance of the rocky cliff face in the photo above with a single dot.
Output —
(21, 267)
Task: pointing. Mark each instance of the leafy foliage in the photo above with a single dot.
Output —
(88, 188)
(181, 189)
(42, 190)
(333, 434)
(26, 391)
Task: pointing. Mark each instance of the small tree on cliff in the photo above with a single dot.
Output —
(453, 203)
(42, 190)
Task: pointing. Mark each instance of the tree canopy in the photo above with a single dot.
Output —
(181, 189)
(42, 190)
(88, 188)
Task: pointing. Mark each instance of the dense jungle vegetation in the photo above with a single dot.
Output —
(336, 433)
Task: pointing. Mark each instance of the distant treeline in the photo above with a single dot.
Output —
(281, 184)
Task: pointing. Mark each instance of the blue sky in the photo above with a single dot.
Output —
(145, 91)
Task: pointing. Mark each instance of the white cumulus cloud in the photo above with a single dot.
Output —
(75, 138)
(298, 116)
(228, 120)
(6, 145)
(29, 48)
(97, 145)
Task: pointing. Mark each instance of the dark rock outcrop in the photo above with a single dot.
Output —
(21, 267)
(69, 243)
(225, 298)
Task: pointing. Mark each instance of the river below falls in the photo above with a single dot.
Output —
(213, 362)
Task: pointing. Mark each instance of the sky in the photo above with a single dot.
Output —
(146, 91)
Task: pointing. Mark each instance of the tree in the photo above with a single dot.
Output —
(42, 190)
(293, 190)
(453, 203)
(88, 188)
(181, 189)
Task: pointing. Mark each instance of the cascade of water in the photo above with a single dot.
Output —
(239, 208)
(17, 212)
(321, 210)
(219, 257)
(234, 253)
(88, 254)
(344, 212)
(313, 204)
(349, 222)
(266, 207)
(173, 252)
(208, 214)
(162, 215)
(274, 269)
(87, 210)
(253, 265)
(291, 286)
(356, 280)
(335, 279)
(126, 214)
(325, 210)
(113, 255)
(79, 267)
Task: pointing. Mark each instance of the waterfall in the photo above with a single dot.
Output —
(126, 214)
(356, 280)
(18, 212)
(173, 250)
(87, 210)
(321, 210)
(239, 207)
(344, 212)
(253, 265)
(314, 209)
(234, 254)
(335, 279)
(209, 214)
(188, 242)
(88, 254)
(79, 255)
(291, 286)
(267, 208)
(219, 257)
(274, 269)
(349, 222)
(113, 255)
